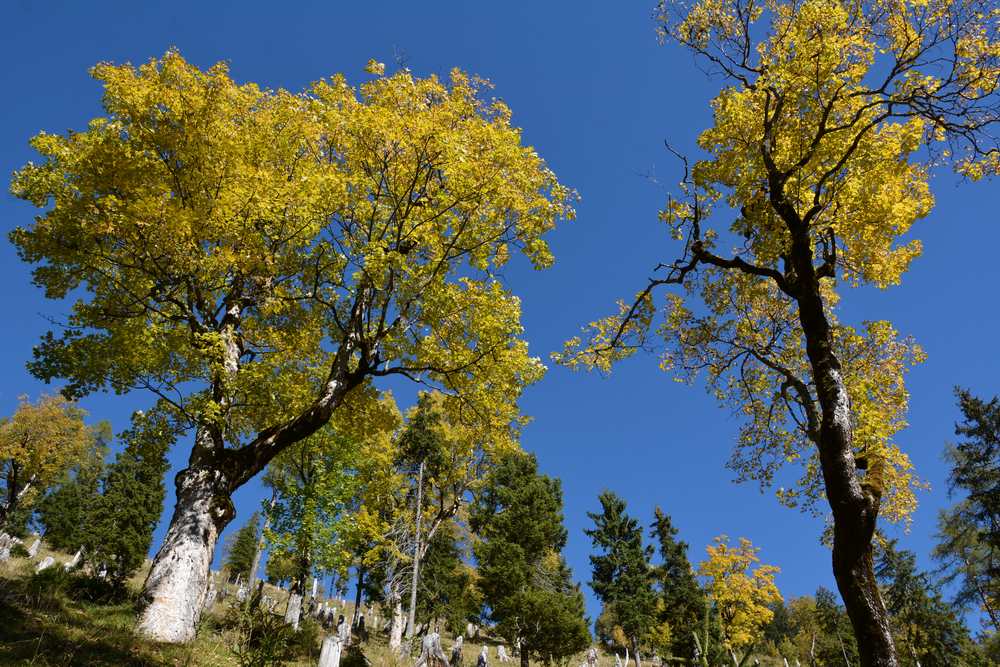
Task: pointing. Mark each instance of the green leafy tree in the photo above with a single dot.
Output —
(682, 602)
(526, 585)
(622, 576)
(241, 548)
(255, 256)
(835, 643)
(969, 532)
(65, 511)
(121, 521)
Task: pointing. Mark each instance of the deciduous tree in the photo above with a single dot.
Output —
(832, 116)
(252, 257)
(741, 590)
(38, 444)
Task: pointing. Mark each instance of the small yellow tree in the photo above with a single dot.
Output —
(741, 592)
(40, 442)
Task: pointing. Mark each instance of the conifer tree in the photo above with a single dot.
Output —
(526, 585)
(121, 521)
(64, 511)
(926, 628)
(969, 532)
(241, 547)
(622, 576)
(683, 602)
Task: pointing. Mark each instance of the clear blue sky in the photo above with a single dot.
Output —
(596, 96)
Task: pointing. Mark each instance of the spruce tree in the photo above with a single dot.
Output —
(925, 627)
(65, 511)
(446, 582)
(683, 602)
(969, 532)
(241, 547)
(622, 576)
(526, 585)
(121, 521)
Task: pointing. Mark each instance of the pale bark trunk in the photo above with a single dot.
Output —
(396, 629)
(260, 543)
(174, 592)
(294, 610)
(412, 616)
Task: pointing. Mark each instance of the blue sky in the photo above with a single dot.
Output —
(597, 96)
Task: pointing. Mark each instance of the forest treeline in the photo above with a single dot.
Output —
(484, 552)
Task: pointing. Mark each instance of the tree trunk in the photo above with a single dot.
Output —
(855, 506)
(412, 617)
(260, 543)
(522, 652)
(357, 597)
(396, 629)
(174, 593)
(294, 609)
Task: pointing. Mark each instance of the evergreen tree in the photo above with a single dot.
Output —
(446, 583)
(526, 584)
(64, 511)
(926, 629)
(683, 602)
(622, 576)
(241, 547)
(834, 643)
(121, 521)
(969, 532)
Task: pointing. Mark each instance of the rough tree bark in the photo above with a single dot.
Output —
(174, 592)
(396, 629)
(855, 506)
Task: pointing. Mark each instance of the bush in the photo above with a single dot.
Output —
(306, 642)
(261, 639)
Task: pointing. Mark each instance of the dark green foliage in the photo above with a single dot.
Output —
(526, 585)
(120, 525)
(65, 510)
(925, 627)
(969, 533)
(241, 547)
(446, 587)
(835, 643)
(622, 575)
(683, 600)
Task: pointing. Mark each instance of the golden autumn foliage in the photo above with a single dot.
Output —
(822, 144)
(37, 445)
(741, 589)
(226, 235)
